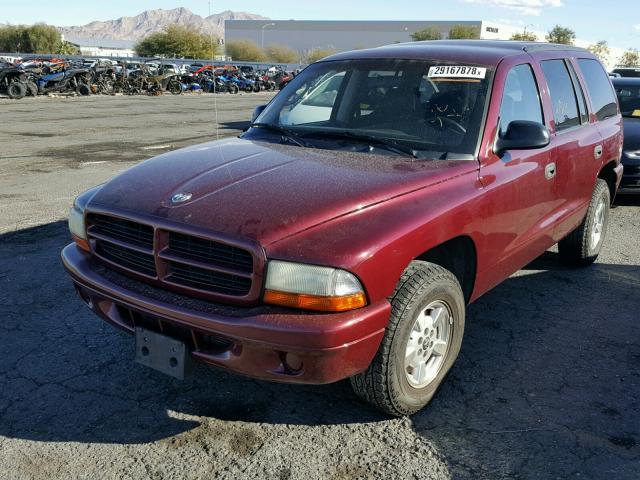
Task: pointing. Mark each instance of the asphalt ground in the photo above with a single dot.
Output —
(547, 385)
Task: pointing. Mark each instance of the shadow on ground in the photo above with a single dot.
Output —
(548, 379)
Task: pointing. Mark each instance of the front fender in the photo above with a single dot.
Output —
(378, 242)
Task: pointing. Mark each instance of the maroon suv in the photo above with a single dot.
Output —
(343, 234)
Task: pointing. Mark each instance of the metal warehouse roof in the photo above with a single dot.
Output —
(101, 42)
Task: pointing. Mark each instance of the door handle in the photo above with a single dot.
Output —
(550, 171)
(597, 152)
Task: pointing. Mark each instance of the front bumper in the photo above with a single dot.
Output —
(262, 342)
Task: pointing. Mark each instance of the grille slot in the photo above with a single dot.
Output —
(123, 230)
(128, 258)
(209, 280)
(209, 251)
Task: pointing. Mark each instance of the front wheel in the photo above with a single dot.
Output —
(175, 88)
(582, 246)
(83, 89)
(16, 90)
(421, 342)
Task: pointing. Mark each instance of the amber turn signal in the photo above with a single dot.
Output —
(315, 302)
(81, 243)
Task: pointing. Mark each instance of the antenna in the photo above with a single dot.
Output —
(213, 77)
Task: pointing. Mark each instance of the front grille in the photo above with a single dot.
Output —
(211, 280)
(211, 252)
(128, 258)
(123, 230)
(174, 260)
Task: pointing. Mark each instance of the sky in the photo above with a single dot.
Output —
(617, 21)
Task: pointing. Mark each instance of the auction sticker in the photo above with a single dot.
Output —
(456, 71)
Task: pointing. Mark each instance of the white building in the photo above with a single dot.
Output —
(305, 35)
(98, 47)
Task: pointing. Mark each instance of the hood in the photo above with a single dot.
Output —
(266, 191)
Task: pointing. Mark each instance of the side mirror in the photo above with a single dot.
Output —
(256, 112)
(522, 135)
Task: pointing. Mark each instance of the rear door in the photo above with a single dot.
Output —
(576, 144)
(605, 110)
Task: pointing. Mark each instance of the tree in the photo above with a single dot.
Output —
(630, 58)
(524, 37)
(429, 33)
(38, 38)
(245, 50)
(600, 50)
(560, 34)
(177, 41)
(316, 54)
(66, 48)
(282, 54)
(461, 32)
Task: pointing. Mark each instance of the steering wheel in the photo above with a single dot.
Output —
(447, 123)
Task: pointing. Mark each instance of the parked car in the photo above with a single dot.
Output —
(349, 245)
(14, 82)
(628, 92)
(627, 71)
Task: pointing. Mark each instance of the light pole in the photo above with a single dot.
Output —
(263, 27)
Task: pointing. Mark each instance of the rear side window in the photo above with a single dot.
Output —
(520, 100)
(563, 97)
(599, 86)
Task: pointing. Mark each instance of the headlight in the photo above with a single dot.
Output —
(76, 223)
(312, 287)
(76, 218)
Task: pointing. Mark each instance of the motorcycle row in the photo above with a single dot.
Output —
(134, 78)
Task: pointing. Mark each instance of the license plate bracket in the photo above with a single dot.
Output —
(162, 353)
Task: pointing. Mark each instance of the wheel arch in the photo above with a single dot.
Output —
(459, 256)
(608, 174)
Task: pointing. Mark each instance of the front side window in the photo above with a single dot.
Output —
(426, 105)
(599, 86)
(520, 100)
(563, 97)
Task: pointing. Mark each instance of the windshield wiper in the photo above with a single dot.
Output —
(285, 133)
(376, 142)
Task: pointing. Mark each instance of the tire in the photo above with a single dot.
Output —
(32, 89)
(390, 384)
(16, 90)
(83, 89)
(175, 88)
(256, 88)
(233, 89)
(582, 246)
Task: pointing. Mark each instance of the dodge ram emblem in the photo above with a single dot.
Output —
(181, 197)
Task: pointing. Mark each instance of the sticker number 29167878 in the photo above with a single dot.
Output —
(457, 71)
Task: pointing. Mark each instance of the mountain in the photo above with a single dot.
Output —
(149, 21)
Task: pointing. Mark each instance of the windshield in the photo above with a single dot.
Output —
(425, 105)
(629, 99)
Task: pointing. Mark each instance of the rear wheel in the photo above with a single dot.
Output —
(421, 343)
(233, 88)
(17, 90)
(582, 246)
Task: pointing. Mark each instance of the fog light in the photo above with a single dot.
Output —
(292, 362)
